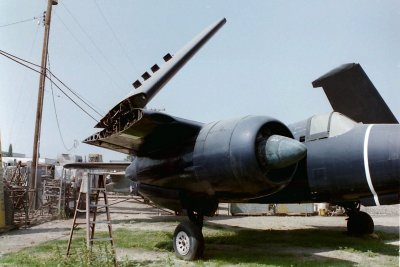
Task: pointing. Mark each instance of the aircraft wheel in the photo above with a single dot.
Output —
(360, 223)
(188, 241)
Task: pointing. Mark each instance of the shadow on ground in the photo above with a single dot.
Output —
(232, 245)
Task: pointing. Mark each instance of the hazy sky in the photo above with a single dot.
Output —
(262, 62)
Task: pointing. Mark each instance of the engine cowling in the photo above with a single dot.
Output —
(246, 157)
(230, 160)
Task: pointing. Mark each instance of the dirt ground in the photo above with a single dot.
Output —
(129, 210)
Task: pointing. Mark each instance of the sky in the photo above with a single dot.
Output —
(262, 62)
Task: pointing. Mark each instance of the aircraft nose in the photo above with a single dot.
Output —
(281, 151)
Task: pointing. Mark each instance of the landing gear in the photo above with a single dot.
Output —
(188, 238)
(359, 222)
(188, 241)
(196, 218)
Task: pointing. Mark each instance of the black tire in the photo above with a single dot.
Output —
(188, 241)
(360, 223)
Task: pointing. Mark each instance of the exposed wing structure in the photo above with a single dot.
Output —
(130, 129)
(147, 134)
(351, 92)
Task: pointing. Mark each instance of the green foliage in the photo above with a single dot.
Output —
(150, 240)
(223, 248)
(100, 255)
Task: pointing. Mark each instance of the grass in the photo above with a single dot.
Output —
(224, 247)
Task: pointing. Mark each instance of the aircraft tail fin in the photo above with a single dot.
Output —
(351, 92)
(152, 84)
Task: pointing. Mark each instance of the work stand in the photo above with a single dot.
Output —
(92, 189)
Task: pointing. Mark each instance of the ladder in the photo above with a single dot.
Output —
(92, 186)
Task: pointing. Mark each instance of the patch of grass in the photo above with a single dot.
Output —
(150, 240)
(54, 254)
(224, 247)
(309, 238)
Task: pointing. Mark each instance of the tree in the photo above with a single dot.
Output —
(10, 152)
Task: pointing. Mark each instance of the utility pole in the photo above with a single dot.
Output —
(42, 80)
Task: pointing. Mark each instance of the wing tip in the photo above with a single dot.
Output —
(334, 72)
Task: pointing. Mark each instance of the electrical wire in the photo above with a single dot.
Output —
(91, 40)
(77, 95)
(15, 117)
(52, 74)
(89, 54)
(18, 22)
(55, 109)
(59, 88)
(8, 56)
(123, 49)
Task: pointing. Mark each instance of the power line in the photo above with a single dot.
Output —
(15, 118)
(87, 113)
(91, 40)
(10, 57)
(36, 65)
(89, 54)
(18, 22)
(77, 95)
(55, 109)
(7, 55)
(127, 57)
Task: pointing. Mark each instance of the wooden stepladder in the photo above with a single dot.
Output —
(93, 187)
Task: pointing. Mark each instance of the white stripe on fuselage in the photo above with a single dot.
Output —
(366, 165)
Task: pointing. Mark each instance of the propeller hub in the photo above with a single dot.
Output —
(281, 151)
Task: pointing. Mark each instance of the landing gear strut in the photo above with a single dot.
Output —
(359, 222)
(188, 238)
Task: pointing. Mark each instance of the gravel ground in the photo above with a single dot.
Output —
(123, 214)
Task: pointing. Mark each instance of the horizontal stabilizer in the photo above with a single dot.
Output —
(351, 92)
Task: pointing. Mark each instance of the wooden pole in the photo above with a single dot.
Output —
(36, 139)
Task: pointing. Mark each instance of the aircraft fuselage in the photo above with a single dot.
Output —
(346, 162)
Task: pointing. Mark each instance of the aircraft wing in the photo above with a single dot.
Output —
(151, 84)
(148, 134)
(130, 129)
(118, 166)
(351, 92)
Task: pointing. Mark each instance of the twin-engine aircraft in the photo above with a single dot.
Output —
(348, 157)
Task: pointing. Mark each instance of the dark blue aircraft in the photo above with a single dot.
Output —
(348, 157)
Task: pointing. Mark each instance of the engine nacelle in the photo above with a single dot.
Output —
(234, 157)
(230, 160)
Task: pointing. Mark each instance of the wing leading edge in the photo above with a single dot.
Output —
(351, 92)
(143, 93)
(130, 129)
